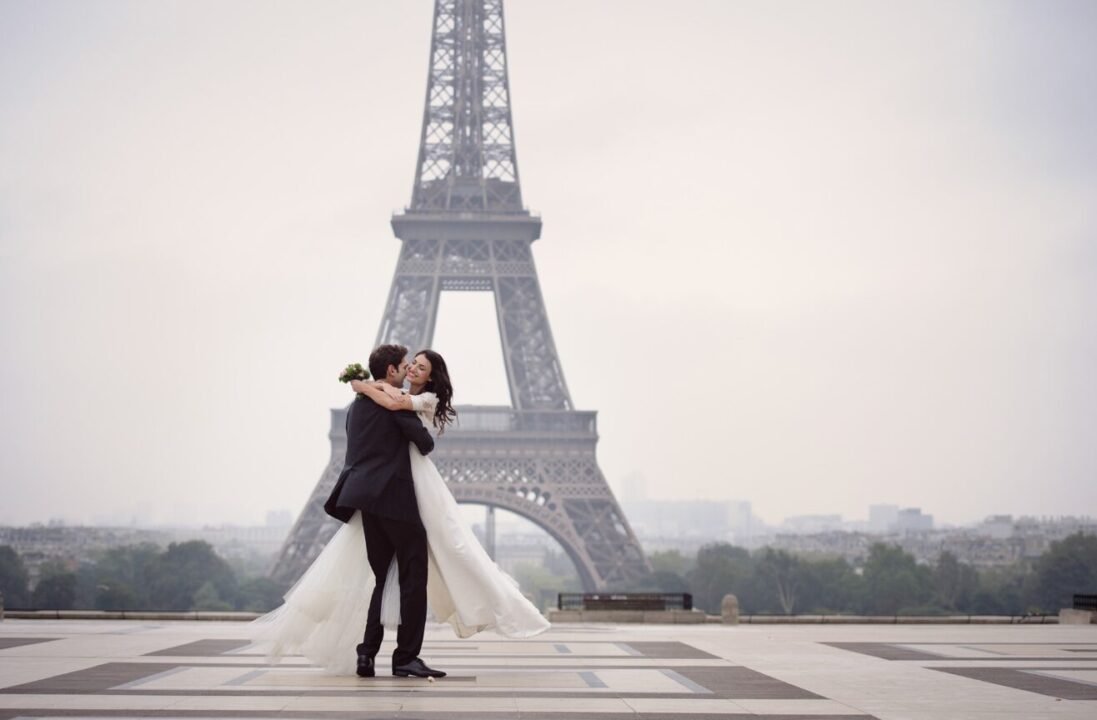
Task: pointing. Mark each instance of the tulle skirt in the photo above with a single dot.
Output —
(324, 613)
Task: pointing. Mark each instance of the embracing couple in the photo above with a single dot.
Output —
(403, 545)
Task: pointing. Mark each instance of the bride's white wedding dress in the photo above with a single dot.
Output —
(324, 613)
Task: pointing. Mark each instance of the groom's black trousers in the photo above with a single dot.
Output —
(408, 542)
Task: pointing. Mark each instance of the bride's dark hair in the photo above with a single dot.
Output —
(440, 385)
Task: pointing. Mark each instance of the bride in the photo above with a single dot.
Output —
(325, 609)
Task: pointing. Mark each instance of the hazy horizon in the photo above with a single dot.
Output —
(813, 256)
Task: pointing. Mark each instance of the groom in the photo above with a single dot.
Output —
(376, 479)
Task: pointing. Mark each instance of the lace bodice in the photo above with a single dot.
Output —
(424, 405)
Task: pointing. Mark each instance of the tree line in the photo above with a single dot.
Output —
(191, 576)
(183, 577)
(890, 582)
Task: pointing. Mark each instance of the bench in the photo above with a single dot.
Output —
(624, 601)
(1085, 602)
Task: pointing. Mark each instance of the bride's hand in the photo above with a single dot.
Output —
(358, 386)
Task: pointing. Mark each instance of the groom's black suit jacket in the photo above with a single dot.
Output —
(376, 476)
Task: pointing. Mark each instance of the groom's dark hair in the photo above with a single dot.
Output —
(382, 357)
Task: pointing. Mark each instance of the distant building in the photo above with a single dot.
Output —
(998, 527)
(743, 524)
(811, 524)
(882, 518)
(514, 549)
(686, 524)
(913, 520)
(850, 546)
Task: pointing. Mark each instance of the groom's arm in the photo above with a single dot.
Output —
(414, 430)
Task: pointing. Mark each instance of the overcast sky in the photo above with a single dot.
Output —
(814, 255)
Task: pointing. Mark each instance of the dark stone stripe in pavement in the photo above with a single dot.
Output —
(1026, 679)
(1049, 643)
(14, 642)
(652, 650)
(90, 680)
(670, 651)
(203, 648)
(886, 651)
(741, 683)
(1027, 658)
(889, 651)
(730, 682)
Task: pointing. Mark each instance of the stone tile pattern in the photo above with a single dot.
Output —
(202, 648)
(584, 679)
(1027, 679)
(13, 642)
(1033, 678)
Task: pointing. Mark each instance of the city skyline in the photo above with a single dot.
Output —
(284, 518)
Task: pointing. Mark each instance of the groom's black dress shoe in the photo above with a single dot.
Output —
(365, 666)
(416, 668)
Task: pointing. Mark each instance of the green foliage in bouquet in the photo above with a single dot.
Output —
(354, 372)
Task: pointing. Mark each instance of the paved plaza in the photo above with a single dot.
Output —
(131, 669)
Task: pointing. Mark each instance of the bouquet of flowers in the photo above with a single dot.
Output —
(354, 371)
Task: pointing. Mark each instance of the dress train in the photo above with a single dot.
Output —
(324, 613)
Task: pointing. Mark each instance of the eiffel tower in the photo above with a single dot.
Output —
(466, 230)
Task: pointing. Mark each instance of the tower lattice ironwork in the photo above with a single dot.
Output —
(467, 230)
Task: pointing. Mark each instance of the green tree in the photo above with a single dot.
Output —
(87, 581)
(13, 578)
(207, 598)
(542, 585)
(1000, 591)
(660, 581)
(954, 583)
(668, 574)
(671, 561)
(182, 570)
(783, 574)
(893, 580)
(721, 569)
(259, 594)
(117, 597)
(830, 585)
(1069, 566)
(665, 581)
(124, 577)
(56, 588)
(559, 564)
